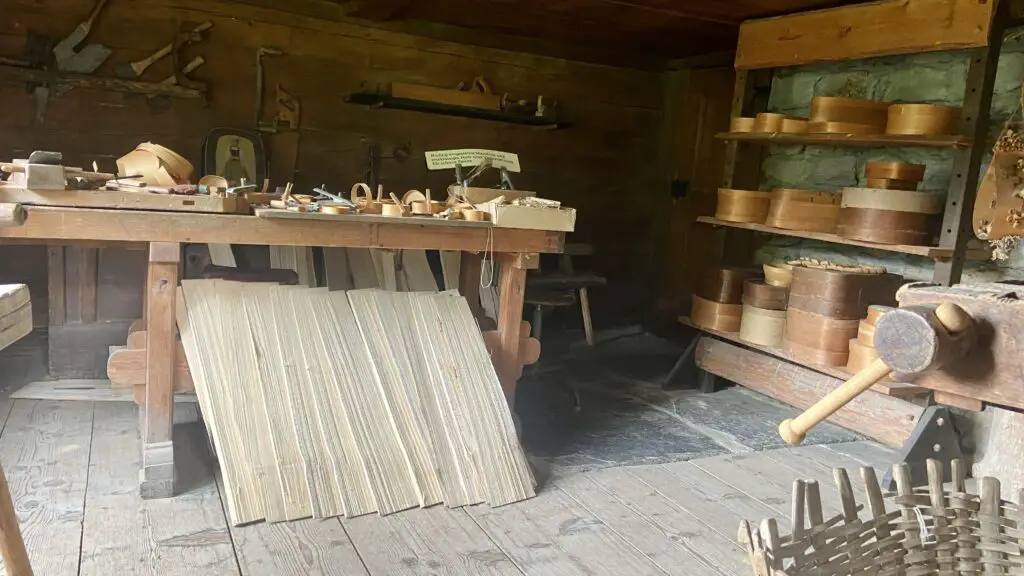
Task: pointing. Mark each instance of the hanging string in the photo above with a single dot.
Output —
(926, 536)
(487, 266)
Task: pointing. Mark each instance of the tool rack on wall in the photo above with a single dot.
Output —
(868, 30)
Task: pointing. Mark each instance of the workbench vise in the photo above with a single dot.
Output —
(909, 342)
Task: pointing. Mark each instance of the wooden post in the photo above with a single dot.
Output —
(12, 547)
(512, 290)
(469, 281)
(156, 479)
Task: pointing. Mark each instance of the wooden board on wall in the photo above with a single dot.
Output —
(865, 30)
(695, 161)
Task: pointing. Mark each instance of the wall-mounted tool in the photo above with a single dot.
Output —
(88, 58)
(130, 70)
(158, 103)
(181, 40)
(260, 53)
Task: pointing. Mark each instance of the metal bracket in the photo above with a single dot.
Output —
(934, 437)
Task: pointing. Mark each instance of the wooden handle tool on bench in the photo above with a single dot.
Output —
(909, 341)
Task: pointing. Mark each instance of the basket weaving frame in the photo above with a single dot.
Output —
(928, 530)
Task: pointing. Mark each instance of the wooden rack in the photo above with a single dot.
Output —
(866, 34)
(846, 139)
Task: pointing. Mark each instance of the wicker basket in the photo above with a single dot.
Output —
(932, 530)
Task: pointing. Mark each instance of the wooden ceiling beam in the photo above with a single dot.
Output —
(379, 10)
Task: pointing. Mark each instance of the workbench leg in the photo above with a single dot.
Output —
(469, 281)
(512, 290)
(156, 479)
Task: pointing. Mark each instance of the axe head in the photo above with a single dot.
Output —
(84, 61)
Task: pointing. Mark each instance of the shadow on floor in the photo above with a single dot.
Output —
(593, 407)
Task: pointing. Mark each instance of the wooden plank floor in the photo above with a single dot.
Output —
(72, 470)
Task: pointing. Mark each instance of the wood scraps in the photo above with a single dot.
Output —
(345, 403)
(15, 313)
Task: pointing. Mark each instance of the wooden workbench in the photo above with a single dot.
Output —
(164, 232)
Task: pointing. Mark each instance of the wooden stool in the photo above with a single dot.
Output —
(560, 288)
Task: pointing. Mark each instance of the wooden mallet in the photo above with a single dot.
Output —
(909, 341)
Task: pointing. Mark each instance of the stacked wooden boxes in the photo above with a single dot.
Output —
(826, 305)
(839, 115)
(862, 348)
(890, 210)
(764, 307)
(718, 304)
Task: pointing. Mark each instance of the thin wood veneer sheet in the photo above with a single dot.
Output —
(380, 323)
(328, 403)
(477, 394)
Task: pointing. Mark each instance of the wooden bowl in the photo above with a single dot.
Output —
(778, 274)
(474, 215)
(392, 209)
(425, 208)
(335, 209)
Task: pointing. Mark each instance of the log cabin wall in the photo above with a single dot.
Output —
(601, 165)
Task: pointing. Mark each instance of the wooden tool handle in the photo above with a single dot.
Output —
(95, 14)
(11, 215)
(954, 319)
(145, 63)
(793, 430)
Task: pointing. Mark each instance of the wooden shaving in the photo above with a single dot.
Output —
(826, 265)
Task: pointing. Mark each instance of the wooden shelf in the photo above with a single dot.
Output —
(933, 252)
(889, 388)
(846, 139)
(385, 101)
(20, 74)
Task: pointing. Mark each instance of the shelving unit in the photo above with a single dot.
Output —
(385, 101)
(933, 252)
(801, 39)
(830, 139)
(890, 388)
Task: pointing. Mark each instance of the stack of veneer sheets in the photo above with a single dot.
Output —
(890, 210)
(840, 115)
(718, 303)
(764, 306)
(15, 313)
(862, 348)
(826, 305)
(346, 403)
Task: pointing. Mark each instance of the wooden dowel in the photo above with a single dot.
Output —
(11, 215)
(794, 430)
(12, 547)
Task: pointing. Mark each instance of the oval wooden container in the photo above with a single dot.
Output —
(769, 122)
(843, 128)
(886, 226)
(861, 357)
(866, 333)
(795, 126)
(922, 120)
(849, 110)
(841, 295)
(742, 205)
(899, 201)
(804, 210)
(894, 170)
(808, 355)
(780, 275)
(891, 184)
(819, 332)
(876, 311)
(762, 327)
(715, 315)
(724, 284)
(760, 294)
(741, 124)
